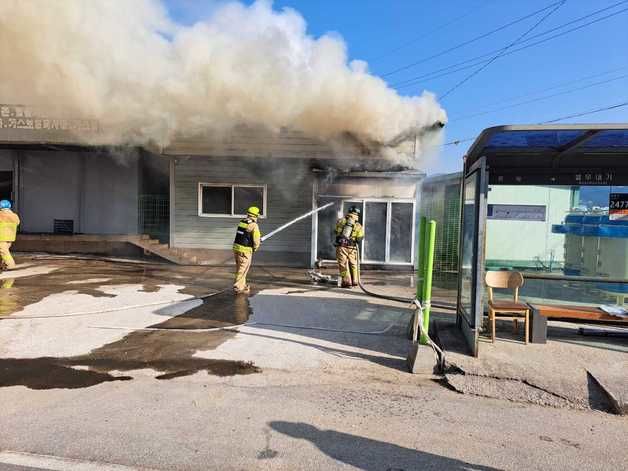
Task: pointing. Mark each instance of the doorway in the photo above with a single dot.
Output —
(6, 186)
(388, 226)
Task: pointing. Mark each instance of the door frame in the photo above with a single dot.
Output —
(471, 322)
(345, 199)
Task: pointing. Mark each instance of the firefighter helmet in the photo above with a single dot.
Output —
(354, 210)
(253, 211)
(5, 204)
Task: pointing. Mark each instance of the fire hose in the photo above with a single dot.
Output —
(414, 302)
(440, 355)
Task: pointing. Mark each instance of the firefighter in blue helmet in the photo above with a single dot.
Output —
(247, 241)
(349, 233)
(9, 221)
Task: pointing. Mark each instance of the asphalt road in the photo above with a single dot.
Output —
(327, 387)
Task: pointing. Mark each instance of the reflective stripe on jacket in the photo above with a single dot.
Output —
(8, 225)
(247, 239)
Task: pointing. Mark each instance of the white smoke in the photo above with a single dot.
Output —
(147, 78)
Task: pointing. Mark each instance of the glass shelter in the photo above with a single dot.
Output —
(550, 201)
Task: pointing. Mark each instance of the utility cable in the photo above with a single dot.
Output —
(555, 86)
(456, 142)
(430, 32)
(586, 113)
(477, 60)
(534, 100)
(503, 51)
(470, 41)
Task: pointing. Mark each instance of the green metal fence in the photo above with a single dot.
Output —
(154, 216)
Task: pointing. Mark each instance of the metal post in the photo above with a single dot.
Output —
(426, 299)
(421, 244)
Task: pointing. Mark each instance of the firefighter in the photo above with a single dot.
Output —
(247, 241)
(8, 230)
(349, 233)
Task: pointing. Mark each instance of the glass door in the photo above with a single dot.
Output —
(388, 227)
(470, 309)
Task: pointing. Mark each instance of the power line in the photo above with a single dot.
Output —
(503, 51)
(430, 32)
(470, 41)
(586, 113)
(448, 70)
(555, 86)
(456, 142)
(432, 75)
(545, 97)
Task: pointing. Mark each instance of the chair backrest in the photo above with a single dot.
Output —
(504, 279)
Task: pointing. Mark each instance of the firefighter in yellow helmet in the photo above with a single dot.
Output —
(247, 241)
(349, 233)
(8, 230)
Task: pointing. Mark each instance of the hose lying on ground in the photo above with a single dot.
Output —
(440, 355)
(117, 309)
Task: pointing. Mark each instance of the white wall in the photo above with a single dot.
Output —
(511, 240)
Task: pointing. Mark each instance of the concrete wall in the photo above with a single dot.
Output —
(523, 241)
(289, 194)
(98, 191)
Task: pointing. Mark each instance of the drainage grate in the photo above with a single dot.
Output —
(63, 226)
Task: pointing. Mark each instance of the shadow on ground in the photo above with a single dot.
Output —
(368, 454)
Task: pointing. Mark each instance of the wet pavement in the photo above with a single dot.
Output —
(170, 353)
(135, 373)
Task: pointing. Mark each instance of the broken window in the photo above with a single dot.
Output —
(216, 200)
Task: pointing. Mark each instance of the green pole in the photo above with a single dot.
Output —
(421, 245)
(430, 237)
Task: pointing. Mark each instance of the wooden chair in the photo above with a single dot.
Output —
(506, 280)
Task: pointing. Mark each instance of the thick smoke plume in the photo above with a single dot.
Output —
(148, 79)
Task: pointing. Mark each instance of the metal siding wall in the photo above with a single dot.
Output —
(289, 195)
(111, 194)
(97, 191)
(49, 189)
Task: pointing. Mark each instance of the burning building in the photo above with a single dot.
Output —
(190, 194)
(138, 125)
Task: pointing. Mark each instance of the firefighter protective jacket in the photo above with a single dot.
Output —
(248, 236)
(8, 225)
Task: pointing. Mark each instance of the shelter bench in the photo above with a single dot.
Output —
(542, 312)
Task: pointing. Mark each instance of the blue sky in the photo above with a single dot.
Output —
(394, 33)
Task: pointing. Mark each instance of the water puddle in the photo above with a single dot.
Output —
(170, 353)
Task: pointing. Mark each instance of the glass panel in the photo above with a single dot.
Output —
(326, 229)
(247, 196)
(469, 234)
(216, 200)
(375, 232)
(401, 233)
(581, 236)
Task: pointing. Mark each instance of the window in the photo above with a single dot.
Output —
(227, 200)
